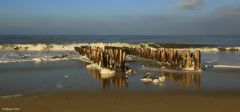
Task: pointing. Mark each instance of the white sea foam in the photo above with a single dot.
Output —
(39, 56)
(170, 70)
(107, 73)
(11, 53)
(70, 47)
(146, 80)
(38, 60)
(11, 96)
(189, 69)
(93, 66)
(57, 47)
(226, 66)
(14, 61)
(40, 47)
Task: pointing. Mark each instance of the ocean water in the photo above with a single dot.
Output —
(226, 41)
(48, 63)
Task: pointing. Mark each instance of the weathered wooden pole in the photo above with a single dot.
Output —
(163, 56)
(120, 58)
(116, 58)
(197, 62)
(189, 59)
(184, 58)
(124, 60)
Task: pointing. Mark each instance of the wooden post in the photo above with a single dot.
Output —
(116, 58)
(101, 59)
(124, 60)
(189, 60)
(197, 62)
(184, 58)
(171, 56)
(120, 58)
(163, 56)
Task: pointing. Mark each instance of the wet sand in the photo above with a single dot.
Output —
(124, 102)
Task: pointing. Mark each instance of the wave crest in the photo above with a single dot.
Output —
(70, 47)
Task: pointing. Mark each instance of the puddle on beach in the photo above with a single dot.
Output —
(72, 75)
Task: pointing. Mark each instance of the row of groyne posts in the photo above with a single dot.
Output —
(115, 57)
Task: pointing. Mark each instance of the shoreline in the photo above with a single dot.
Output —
(125, 101)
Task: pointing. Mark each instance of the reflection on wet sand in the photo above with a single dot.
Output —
(186, 80)
(118, 81)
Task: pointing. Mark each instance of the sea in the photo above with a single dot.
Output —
(48, 63)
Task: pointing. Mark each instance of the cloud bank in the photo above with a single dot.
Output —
(190, 4)
(224, 20)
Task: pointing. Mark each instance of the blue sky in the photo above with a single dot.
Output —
(120, 17)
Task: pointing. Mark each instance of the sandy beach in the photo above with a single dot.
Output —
(120, 56)
(124, 102)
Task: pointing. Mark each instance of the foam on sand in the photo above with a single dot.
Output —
(93, 66)
(146, 80)
(163, 69)
(226, 66)
(11, 96)
(107, 73)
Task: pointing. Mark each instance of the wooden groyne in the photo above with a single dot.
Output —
(115, 57)
(179, 59)
(107, 57)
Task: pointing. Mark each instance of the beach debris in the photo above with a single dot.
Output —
(162, 78)
(206, 66)
(129, 71)
(159, 79)
(147, 78)
(57, 57)
(156, 81)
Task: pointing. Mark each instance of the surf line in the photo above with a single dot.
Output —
(112, 57)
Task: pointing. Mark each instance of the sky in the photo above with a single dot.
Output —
(120, 17)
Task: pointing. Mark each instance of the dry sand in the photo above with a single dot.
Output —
(124, 102)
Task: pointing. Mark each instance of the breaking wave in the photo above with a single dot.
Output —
(39, 56)
(10, 53)
(70, 47)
